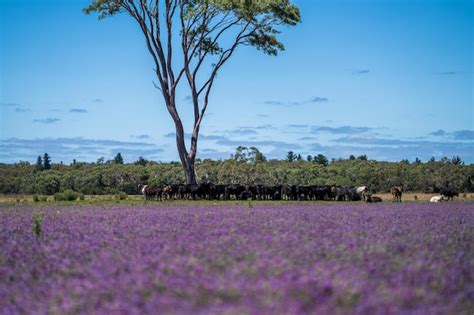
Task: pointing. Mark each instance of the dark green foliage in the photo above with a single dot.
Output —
(91, 179)
(67, 195)
(141, 161)
(321, 159)
(118, 159)
(121, 196)
(290, 156)
(37, 219)
(39, 163)
(46, 162)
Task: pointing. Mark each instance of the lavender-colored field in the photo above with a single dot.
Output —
(287, 259)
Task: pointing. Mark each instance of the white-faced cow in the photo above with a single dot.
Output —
(437, 199)
(363, 192)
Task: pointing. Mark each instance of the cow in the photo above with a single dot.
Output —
(233, 190)
(449, 193)
(289, 192)
(362, 191)
(148, 192)
(437, 199)
(170, 191)
(373, 199)
(396, 192)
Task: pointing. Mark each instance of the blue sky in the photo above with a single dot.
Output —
(390, 79)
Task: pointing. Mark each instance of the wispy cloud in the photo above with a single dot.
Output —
(439, 132)
(98, 100)
(242, 131)
(50, 120)
(5, 104)
(78, 110)
(66, 149)
(456, 135)
(360, 71)
(463, 135)
(313, 100)
(340, 130)
(20, 110)
(447, 73)
(141, 137)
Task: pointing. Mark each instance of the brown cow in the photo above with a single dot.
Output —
(373, 199)
(396, 192)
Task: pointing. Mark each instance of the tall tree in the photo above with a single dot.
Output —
(118, 159)
(209, 32)
(46, 161)
(39, 163)
(321, 159)
(290, 156)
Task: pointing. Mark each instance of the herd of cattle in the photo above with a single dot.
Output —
(261, 192)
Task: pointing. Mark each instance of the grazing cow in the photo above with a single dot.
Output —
(289, 192)
(149, 192)
(449, 193)
(396, 192)
(373, 199)
(437, 199)
(233, 190)
(362, 191)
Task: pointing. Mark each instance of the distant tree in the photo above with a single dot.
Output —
(191, 40)
(405, 161)
(255, 156)
(417, 161)
(100, 160)
(299, 157)
(248, 155)
(309, 158)
(46, 162)
(73, 161)
(118, 159)
(290, 156)
(320, 159)
(240, 154)
(456, 160)
(352, 157)
(141, 161)
(432, 160)
(444, 159)
(362, 157)
(39, 163)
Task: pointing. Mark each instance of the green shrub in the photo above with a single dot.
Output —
(37, 221)
(36, 198)
(121, 196)
(67, 195)
(81, 196)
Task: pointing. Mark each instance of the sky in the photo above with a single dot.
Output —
(388, 78)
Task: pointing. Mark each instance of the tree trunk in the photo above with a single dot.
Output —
(189, 172)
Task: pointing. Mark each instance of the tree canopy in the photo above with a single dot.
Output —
(209, 32)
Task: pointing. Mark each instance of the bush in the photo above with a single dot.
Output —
(67, 195)
(38, 198)
(121, 196)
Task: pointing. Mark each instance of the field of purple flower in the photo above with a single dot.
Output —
(291, 259)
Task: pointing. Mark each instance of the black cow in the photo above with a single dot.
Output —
(449, 193)
(233, 190)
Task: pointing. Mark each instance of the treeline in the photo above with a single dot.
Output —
(113, 178)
